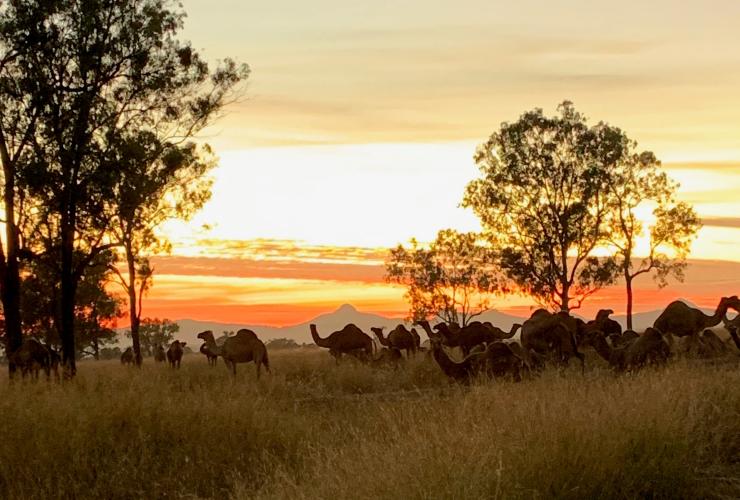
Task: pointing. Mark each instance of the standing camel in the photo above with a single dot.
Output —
(349, 340)
(127, 356)
(474, 334)
(682, 320)
(209, 348)
(551, 336)
(242, 348)
(33, 356)
(399, 338)
(159, 355)
(175, 352)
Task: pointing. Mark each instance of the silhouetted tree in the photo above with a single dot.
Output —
(635, 183)
(153, 331)
(543, 198)
(163, 181)
(19, 110)
(453, 279)
(96, 310)
(102, 69)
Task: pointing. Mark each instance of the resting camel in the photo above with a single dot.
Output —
(497, 360)
(649, 348)
(732, 326)
(388, 356)
(32, 356)
(159, 354)
(243, 348)
(344, 341)
(209, 348)
(547, 335)
(682, 320)
(175, 352)
(399, 338)
(128, 357)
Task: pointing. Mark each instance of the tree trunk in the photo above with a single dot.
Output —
(564, 297)
(68, 291)
(133, 315)
(10, 287)
(628, 280)
(96, 348)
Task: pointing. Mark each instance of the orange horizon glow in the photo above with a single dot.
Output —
(358, 129)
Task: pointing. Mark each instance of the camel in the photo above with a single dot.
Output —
(463, 371)
(649, 348)
(32, 356)
(623, 339)
(242, 348)
(547, 336)
(399, 338)
(417, 339)
(209, 348)
(388, 356)
(474, 334)
(344, 341)
(159, 354)
(175, 352)
(681, 320)
(604, 323)
(732, 325)
(128, 357)
(496, 360)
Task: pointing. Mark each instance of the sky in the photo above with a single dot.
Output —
(358, 124)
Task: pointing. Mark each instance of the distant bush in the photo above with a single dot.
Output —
(282, 343)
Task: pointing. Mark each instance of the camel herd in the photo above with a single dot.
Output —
(544, 338)
(487, 351)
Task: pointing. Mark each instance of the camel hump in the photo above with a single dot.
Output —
(246, 332)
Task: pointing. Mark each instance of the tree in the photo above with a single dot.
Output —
(19, 111)
(543, 197)
(163, 181)
(101, 70)
(453, 279)
(155, 332)
(635, 183)
(96, 309)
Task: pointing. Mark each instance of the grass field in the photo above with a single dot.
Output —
(313, 430)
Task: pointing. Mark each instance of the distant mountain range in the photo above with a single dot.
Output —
(329, 322)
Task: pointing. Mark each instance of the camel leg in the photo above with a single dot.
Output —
(259, 366)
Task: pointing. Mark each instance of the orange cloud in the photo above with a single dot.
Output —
(279, 293)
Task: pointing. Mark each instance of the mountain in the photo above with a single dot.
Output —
(325, 323)
(335, 320)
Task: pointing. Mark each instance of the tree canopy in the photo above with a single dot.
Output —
(454, 279)
(542, 198)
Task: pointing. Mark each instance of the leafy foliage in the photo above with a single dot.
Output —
(454, 278)
(543, 198)
(153, 332)
(635, 184)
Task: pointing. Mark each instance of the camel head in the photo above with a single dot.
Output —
(377, 329)
(206, 335)
(730, 302)
(603, 314)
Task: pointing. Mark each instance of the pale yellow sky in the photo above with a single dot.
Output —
(361, 118)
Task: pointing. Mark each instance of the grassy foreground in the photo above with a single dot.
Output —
(312, 430)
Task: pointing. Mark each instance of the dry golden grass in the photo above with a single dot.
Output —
(313, 430)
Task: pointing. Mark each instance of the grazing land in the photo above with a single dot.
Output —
(315, 430)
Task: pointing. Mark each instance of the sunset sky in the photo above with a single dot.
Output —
(360, 119)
